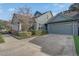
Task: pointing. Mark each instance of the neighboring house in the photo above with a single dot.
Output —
(41, 19)
(66, 22)
(21, 22)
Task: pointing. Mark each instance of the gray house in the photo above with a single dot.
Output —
(21, 22)
(41, 20)
(66, 22)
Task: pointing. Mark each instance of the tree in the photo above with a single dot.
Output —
(2, 25)
(25, 17)
(23, 10)
(74, 7)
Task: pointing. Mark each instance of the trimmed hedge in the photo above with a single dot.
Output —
(23, 35)
(76, 41)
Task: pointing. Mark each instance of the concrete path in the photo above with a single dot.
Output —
(14, 47)
(41, 46)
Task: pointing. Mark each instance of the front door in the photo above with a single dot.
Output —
(46, 27)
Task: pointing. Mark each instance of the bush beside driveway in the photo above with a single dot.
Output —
(28, 34)
(1, 39)
(76, 41)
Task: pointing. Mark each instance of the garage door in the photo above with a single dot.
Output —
(61, 28)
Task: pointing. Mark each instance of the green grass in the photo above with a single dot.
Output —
(76, 40)
(1, 39)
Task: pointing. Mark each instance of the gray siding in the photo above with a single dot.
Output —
(16, 27)
(63, 28)
(42, 20)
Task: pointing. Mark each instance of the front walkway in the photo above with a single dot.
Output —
(14, 47)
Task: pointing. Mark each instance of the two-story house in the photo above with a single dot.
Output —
(41, 20)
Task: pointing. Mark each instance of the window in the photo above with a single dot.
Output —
(40, 26)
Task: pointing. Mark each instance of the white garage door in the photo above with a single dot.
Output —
(61, 28)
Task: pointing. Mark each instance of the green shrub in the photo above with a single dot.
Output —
(33, 32)
(1, 39)
(29, 34)
(76, 41)
(40, 32)
(24, 34)
(44, 32)
(21, 34)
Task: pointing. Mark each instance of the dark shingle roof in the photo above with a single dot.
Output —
(37, 13)
(43, 14)
(65, 16)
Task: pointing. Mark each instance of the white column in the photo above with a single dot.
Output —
(19, 26)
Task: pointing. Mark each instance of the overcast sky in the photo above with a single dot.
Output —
(7, 9)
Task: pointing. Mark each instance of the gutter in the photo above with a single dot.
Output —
(62, 21)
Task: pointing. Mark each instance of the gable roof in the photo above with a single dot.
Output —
(44, 13)
(74, 6)
(37, 13)
(44, 18)
(65, 16)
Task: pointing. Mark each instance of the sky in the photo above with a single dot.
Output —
(7, 9)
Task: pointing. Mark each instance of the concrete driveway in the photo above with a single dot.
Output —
(56, 45)
(46, 45)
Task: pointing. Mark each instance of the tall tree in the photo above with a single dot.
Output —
(74, 7)
(2, 24)
(25, 16)
(23, 10)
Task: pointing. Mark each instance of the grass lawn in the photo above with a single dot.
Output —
(1, 39)
(76, 40)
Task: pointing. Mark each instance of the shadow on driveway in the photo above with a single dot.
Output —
(56, 45)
